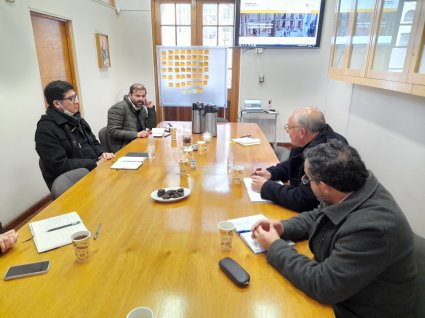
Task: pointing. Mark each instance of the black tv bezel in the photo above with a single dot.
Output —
(282, 46)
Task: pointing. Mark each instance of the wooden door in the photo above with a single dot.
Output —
(53, 45)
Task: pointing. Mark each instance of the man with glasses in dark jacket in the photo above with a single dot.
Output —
(63, 139)
(307, 128)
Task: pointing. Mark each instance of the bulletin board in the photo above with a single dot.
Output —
(192, 74)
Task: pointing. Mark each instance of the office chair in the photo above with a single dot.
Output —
(66, 180)
(282, 153)
(419, 250)
(104, 139)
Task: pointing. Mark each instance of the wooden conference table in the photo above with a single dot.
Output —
(160, 255)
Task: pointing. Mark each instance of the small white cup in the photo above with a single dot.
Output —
(201, 146)
(140, 312)
(206, 136)
(226, 234)
(238, 174)
(81, 242)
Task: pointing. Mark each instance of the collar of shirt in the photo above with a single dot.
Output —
(135, 107)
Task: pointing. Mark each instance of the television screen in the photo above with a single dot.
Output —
(279, 23)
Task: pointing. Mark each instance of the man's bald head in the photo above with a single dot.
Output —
(309, 118)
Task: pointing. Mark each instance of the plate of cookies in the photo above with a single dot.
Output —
(170, 194)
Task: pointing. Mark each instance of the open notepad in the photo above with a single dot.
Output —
(128, 163)
(255, 196)
(46, 240)
(243, 229)
(247, 141)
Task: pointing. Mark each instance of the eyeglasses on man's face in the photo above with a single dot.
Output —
(73, 98)
(305, 179)
(288, 128)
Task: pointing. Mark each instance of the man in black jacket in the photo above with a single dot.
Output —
(63, 140)
(307, 128)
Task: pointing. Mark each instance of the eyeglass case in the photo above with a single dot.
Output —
(234, 271)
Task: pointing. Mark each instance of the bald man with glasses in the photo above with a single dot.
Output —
(306, 128)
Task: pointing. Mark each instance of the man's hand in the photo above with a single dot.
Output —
(7, 240)
(142, 134)
(266, 224)
(267, 234)
(262, 173)
(106, 155)
(257, 183)
(148, 103)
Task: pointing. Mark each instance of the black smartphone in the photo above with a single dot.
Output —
(29, 269)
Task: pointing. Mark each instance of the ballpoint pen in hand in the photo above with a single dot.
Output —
(249, 135)
(97, 231)
(63, 226)
(255, 171)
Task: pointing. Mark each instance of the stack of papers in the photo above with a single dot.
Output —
(128, 163)
(157, 132)
(255, 196)
(247, 141)
(243, 228)
(56, 231)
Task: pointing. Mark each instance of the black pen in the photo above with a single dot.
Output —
(97, 231)
(245, 136)
(63, 226)
(255, 171)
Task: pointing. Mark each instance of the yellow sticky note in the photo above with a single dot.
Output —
(189, 51)
(205, 63)
(199, 89)
(206, 58)
(201, 64)
(206, 51)
(164, 70)
(170, 69)
(170, 51)
(189, 58)
(176, 51)
(170, 57)
(183, 76)
(206, 69)
(193, 70)
(205, 83)
(164, 77)
(189, 83)
(176, 58)
(177, 85)
(164, 63)
(176, 64)
(199, 70)
(170, 77)
(163, 52)
(182, 64)
(194, 57)
(193, 63)
(199, 51)
(183, 69)
(183, 84)
(178, 76)
(170, 84)
(206, 77)
(181, 51)
(189, 76)
(170, 63)
(176, 70)
(200, 58)
(182, 57)
(199, 83)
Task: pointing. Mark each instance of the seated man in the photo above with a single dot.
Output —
(130, 118)
(64, 140)
(306, 128)
(362, 243)
(8, 240)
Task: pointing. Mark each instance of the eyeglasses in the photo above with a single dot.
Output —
(287, 127)
(306, 180)
(72, 99)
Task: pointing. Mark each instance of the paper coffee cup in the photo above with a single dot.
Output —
(140, 312)
(173, 133)
(226, 229)
(81, 242)
(184, 166)
(201, 146)
(238, 174)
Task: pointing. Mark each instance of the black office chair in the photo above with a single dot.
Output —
(104, 139)
(282, 153)
(66, 180)
(419, 249)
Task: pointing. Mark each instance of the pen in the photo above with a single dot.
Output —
(61, 227)
(245, 136)
(255, 171)
(97, 231)
(244, 231)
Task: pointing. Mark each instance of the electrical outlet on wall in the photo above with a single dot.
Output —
(261, 78)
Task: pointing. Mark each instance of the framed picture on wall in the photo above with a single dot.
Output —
(102, 45)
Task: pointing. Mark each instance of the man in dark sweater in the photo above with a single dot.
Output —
(362, 243)
(63, 140)
(307, 128)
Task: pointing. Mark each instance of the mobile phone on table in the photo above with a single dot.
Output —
(29, 269)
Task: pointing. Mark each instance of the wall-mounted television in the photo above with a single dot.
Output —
(279, 23)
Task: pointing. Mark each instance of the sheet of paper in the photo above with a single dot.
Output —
(247, 141)
(245, 223)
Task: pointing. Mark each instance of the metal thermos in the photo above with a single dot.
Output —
(210, 114)
(197, 118)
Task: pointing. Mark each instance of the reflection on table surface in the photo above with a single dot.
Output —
(159, 255)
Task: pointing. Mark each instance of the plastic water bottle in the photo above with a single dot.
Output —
(230, 158)
(151, 148)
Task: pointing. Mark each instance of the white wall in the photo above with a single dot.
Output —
(21, 95)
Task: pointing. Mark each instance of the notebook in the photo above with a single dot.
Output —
(45, 240)
(247, 141)
(255, 196)
(128, 163)
(243, 229)
(253, 106)
(158, 132)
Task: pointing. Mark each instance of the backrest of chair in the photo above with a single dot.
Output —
(67, 180)
(104, 139)
(419, 249)
(282, 153)
(222, 120)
